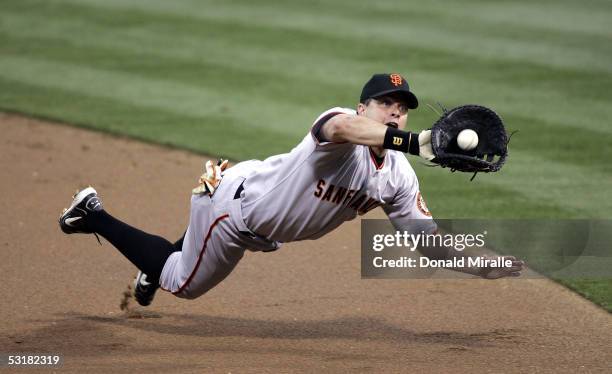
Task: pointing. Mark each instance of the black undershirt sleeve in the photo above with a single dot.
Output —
(316, 128)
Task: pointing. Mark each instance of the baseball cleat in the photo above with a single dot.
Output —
(84, 202)
(144, 291)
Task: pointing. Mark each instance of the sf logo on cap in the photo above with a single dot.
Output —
(396, 79)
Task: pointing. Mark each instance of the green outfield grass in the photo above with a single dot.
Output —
(245, 79)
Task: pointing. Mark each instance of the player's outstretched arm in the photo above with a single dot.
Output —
(365, 131)
(354, 129)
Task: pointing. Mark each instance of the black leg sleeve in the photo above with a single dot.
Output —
(148, 252)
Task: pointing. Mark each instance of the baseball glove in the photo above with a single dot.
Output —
(491, 151)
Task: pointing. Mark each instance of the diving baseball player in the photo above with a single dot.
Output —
(350, 162)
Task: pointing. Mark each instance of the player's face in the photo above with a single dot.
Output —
(386, 109)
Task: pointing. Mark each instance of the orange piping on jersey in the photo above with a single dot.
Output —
(195, 269)
(421, 205)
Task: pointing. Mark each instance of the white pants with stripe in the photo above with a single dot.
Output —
(214, 243)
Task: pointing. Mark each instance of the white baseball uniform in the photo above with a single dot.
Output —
(300, 195)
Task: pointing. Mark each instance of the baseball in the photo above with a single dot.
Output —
(467, 139)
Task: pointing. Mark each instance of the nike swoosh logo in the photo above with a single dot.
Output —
(142, 280)
(69, 221)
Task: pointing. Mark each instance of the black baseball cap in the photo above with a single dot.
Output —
(383, 84)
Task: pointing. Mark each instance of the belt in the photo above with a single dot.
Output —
(239, 191)
(236, 197)
(250, 234)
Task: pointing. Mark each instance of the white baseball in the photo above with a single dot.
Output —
(467, 139)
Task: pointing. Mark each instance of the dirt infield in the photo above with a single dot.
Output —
(303, 308)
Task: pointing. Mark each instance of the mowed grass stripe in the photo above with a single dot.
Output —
(586, 18)
(213, 135)
(567, 186)
(543, 140)
(193, 38)
(146, 92)
(538, 186)
(552, 98)
(453, 195)
(419, 31)
(231, 83)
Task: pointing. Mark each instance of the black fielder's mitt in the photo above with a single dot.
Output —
(491, 151)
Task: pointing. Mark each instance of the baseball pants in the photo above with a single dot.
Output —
(214, 243)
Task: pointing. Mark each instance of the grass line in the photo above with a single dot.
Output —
(416, 32)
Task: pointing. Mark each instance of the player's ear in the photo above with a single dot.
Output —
(361, 108)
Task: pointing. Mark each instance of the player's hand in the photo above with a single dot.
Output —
(425, 149)
(210, 180)
(514, 270)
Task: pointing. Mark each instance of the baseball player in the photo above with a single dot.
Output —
(350, 162)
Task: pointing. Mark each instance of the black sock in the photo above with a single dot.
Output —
(148, 252)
